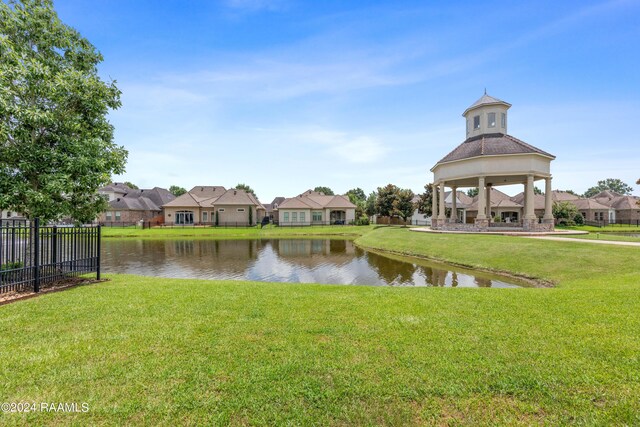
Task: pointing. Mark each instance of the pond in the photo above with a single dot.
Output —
(285, 260)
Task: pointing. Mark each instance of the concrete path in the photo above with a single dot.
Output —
(601, 242)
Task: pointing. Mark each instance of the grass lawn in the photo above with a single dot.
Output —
(608, 229)
(605, 236)
(166, 351)
(269, 231)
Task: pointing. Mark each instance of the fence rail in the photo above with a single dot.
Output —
(32, 255)
(619, 222)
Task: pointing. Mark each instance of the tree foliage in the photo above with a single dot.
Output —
(131, 185)
(385, 198)
(246, 188)
(56, 145)
(566, 211)
(177, 191)
(356, 195)
(326, 190)
(370, 205)
(536, 190)
(472, 192)
(403, 204)
(612, 184)
(425, 203)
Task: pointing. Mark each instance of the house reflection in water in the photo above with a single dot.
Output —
(286, 260)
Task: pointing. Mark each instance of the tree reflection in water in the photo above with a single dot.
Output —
(282, 260)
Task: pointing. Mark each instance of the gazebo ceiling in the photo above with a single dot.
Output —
(493, 180)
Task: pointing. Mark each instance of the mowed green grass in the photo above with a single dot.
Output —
(606, 236)
(269, 231)
(164, 352)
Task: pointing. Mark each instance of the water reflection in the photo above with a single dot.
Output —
(286, 260)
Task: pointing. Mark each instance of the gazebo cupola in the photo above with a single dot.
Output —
(489, 157)
(486, 116)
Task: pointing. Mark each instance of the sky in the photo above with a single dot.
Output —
(287, 95)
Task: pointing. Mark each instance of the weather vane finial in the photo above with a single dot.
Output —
(485, 90)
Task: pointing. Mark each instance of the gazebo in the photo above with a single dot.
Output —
(490, 157)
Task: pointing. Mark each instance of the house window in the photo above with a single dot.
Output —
(476, 122)
(221, 210)
(286, 217)
(107, 216)
(184, 217)
(317, 216)
(205, 216)
(118, 215)
(240, 209)
(294, 216)
(302, 217)
(503, 120)
(491, 122)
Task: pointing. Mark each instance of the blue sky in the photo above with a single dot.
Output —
(288, 95)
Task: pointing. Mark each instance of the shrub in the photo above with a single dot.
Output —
(363, 220)
(579, 219)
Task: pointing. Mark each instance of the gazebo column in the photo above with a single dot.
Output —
(481, 199)
(441, 213)
(454, 208)
(529, 204)
(481, 219)
(488, 202)
(434, 204)
(548, 201)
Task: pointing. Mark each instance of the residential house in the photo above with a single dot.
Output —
(114, 190)
(626, 208)
(273, 206)
(313, 207)
(129, 206)
(462, 204)
(214, 205)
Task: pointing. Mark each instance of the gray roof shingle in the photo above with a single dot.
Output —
(491, 145)
(486, 100)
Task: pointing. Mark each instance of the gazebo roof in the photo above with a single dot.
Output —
(491, 145)
(486, 100)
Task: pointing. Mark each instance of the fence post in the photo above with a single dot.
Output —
(98, 260)
(36, 254)
(54, 244)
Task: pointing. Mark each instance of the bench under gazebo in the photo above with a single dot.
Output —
(490, 157)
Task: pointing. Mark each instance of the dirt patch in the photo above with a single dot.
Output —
(48, 288)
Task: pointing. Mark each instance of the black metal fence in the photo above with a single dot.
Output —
(618, 222)
(32, 255)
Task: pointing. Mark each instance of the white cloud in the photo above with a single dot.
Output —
(351, 148)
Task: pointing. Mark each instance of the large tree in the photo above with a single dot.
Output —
(246, 188)
(370, 205)
(425, 201)
(356, 195)
(131, 185)
(56, 145)
(472, 192)
(403, 204)
(612, 184)
(326, 190)
(177, 190)
(385, 198)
